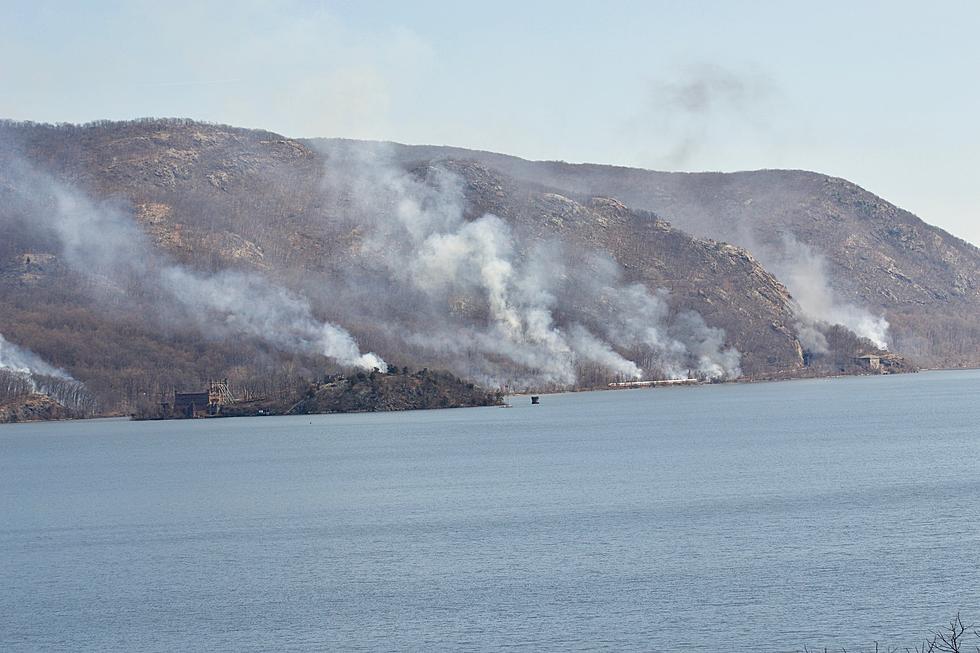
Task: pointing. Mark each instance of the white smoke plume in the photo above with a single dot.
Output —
(677, 345)
(805, 274)
(104, 243)
(593, 349)
(22, 361)
(706, 346)
(23, 372)
(419, 234)
(237, 303)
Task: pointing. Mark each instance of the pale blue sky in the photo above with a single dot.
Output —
(886, 94)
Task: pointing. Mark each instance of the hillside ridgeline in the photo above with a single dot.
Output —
(924, 280)
(229, 213)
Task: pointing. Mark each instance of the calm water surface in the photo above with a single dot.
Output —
(736, 517)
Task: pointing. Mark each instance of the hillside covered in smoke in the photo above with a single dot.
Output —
(846, 255)
(148, 255)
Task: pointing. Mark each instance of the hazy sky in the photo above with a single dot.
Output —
(886, 94)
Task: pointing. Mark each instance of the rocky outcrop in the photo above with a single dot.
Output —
(377, 392)
(32, 408)
(399, 389)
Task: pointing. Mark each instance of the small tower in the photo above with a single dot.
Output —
(219, 395)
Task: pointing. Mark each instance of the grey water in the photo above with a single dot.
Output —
(761, 517)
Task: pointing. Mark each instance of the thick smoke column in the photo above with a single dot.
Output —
(636, 318)
(419, 234)
(805, 274)
(104, 243)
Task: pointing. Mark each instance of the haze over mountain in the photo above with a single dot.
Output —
(140, 256)
(847, 255)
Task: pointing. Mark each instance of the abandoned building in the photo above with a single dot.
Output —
(201, 404)
(191, 404)
(870, 361)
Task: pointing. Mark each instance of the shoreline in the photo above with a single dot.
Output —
(739, 381)
(522, 394)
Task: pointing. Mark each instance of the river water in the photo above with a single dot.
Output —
(732, 517)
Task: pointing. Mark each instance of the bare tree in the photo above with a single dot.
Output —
(948, 639)
(951, 639)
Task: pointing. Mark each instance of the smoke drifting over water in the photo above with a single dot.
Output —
(805, 274)
(103, 243)
(508, 301)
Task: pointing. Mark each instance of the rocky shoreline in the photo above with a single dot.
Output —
(397, 390)
(33, 408)
(363, 392)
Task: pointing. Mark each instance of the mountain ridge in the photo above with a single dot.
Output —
(708, 204)
(210, 203)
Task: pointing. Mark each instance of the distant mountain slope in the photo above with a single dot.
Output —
(879, 257)
(722, 283)
(145, 255)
